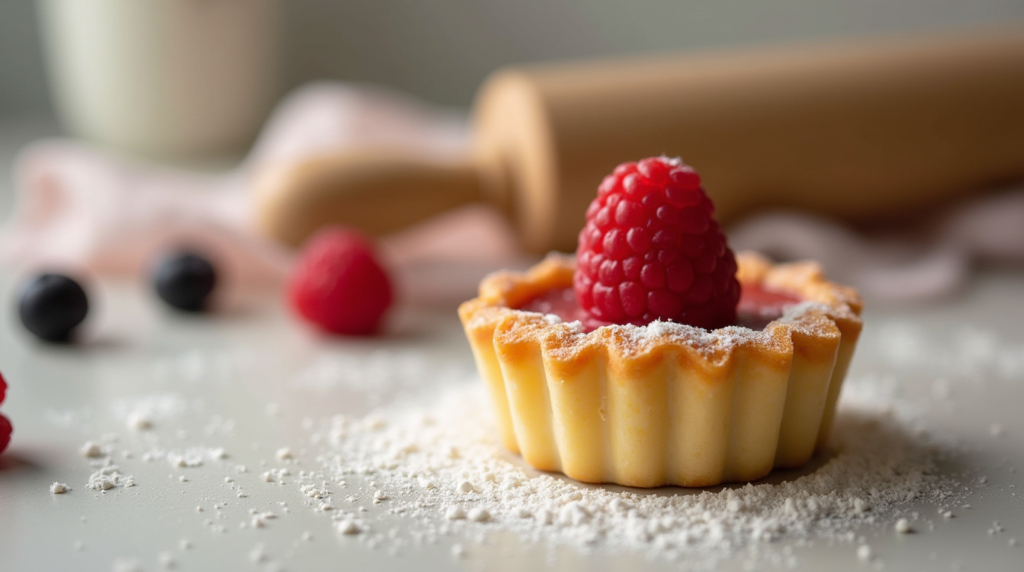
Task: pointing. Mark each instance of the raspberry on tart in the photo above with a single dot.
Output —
(652, 250)
(622, 365)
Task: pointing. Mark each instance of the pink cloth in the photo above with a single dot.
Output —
(923, 259)
(91, 211)
(88, 210)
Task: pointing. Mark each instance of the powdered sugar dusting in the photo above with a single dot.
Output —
(714, 344)
(431, 471)
(140, 412)
(442, 472)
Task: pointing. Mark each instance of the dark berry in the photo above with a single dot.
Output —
(185, 281)
(52, 306)
(651, 249)
(339, 285)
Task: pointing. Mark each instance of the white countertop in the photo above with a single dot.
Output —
(203, 371)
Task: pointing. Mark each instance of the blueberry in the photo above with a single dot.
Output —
(52, 306)
(184, 280)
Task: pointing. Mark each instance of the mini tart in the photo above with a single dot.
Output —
(665, 403)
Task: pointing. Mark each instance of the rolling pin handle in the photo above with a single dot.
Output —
(377, 191)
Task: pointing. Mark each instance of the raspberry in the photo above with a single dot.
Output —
(651, 249)
(338, 285)
(5, 433)
(5, 424)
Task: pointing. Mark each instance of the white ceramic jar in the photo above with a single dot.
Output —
(181, 78)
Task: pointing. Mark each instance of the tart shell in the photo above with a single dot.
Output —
(665, 403)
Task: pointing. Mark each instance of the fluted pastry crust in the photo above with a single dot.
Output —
(663, 404)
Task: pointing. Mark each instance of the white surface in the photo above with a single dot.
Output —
(235, 365)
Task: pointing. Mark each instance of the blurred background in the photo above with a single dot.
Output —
(441, 50)
(167, 78)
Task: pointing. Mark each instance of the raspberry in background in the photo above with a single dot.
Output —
(338, 284)
(5, 424)
(5, 433)
(652, 250)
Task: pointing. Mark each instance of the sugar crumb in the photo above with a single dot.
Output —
(864, 553)
(258, 554)
(166, 560)
(348, 527)
(126, 565)
(91, 450)
(139, 421)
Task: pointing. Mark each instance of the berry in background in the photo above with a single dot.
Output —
(339, 285)
(185, 280)
(5, 424)
(5, 433)
(52, 306)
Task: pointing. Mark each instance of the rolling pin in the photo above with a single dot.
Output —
(854, 131)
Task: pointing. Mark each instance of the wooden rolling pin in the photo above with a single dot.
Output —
(854, 131)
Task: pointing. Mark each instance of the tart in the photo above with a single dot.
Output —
(665, 403)
(647, 403)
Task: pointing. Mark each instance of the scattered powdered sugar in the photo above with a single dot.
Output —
(166, 560)
(657, 328)
(207, 366)
(59, 488)
(108, 477)
(139, 421)
(349, 527)
(91, 450)
(126, 565)
(187, 458)
(864, 553)
(902, 526)
(374, 372)
(139, 413)
(975, 354)
(575, 326)
(638, 339)
(258, 553)
(70, 417)
(724, 338)
(442, 472)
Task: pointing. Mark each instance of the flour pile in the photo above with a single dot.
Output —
(438, 470)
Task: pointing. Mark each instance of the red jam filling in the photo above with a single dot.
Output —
(757, 307)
